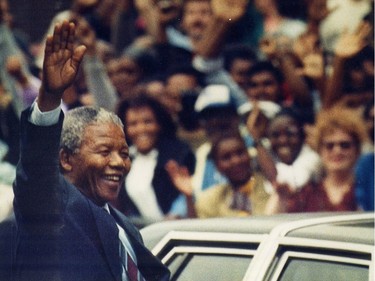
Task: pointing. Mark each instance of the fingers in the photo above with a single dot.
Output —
(78, 55)
(56, 38)
(49, 45)
(62, 38)
(363, 30)
(253, 116)
(71, 37)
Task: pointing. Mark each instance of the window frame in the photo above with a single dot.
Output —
(327, 257)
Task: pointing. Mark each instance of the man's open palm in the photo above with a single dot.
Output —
(62, 60)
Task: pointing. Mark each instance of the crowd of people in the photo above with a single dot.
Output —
(230, 108)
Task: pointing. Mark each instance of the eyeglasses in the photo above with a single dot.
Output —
(344, 145)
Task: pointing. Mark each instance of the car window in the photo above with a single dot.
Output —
(206, 267)
(297, 269)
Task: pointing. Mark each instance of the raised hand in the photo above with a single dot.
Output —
(313, 66)
(180, 177)
(256, 122)
(229, 10)
(317, 10)
(306, 44)
(60, 66)
(167, 11)
(351, 43)
(85, 34)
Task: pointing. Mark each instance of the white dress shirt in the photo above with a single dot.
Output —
(139, 185)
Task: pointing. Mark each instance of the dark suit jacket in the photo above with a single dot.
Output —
(61, 234)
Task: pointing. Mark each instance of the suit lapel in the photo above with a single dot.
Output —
(150, 267)
(108, 234)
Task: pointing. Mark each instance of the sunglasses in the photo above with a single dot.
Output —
(344, 145)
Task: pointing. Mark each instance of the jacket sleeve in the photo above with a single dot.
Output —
(37, 188)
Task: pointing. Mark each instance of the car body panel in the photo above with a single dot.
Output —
(340, 240)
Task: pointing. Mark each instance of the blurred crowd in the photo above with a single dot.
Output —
(230, 107)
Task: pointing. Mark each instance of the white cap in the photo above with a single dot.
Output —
(213, 96)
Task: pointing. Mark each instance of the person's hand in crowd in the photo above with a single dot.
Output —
(60, 65)
(143, 42)
(5, 98)
(317, 10)
(281, 200)
(313, 66)
(180, 177)
(308, 51)
(283, 190)
(229, 10)
(85, 34)
(268, 46)
(168, 10)
(14, 68)
(274, 47)
(256, 122)
(306, 44)
(351, 43)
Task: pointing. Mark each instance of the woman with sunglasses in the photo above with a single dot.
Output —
(338, 138)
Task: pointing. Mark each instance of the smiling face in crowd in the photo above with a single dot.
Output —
(338, 151)
(142, 128)
(286, 138)
(233, 160)
(99, 166)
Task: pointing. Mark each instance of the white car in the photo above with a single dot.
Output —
(289, 247)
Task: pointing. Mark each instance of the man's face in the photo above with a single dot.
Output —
(124, 73)
(239, 71)
(99, 167)
(196, 16)
(233, 161)
(175, 85)
(263, 86)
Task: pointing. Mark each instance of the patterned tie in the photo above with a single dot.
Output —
(129, 265)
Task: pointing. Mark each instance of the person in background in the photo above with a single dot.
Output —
(339, 135)
(70, 168)
(282, 153)
(148, 192)
(365, 167)
(244, 193)
(238, 59)
(268, 83)
(182, 87)
(217, 115)
(278, 20)
(352, 80)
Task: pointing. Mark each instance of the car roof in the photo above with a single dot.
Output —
(354, 227)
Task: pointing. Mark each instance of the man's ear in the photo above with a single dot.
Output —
(65, 161)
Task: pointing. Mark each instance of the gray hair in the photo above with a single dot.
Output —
(76, 120)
